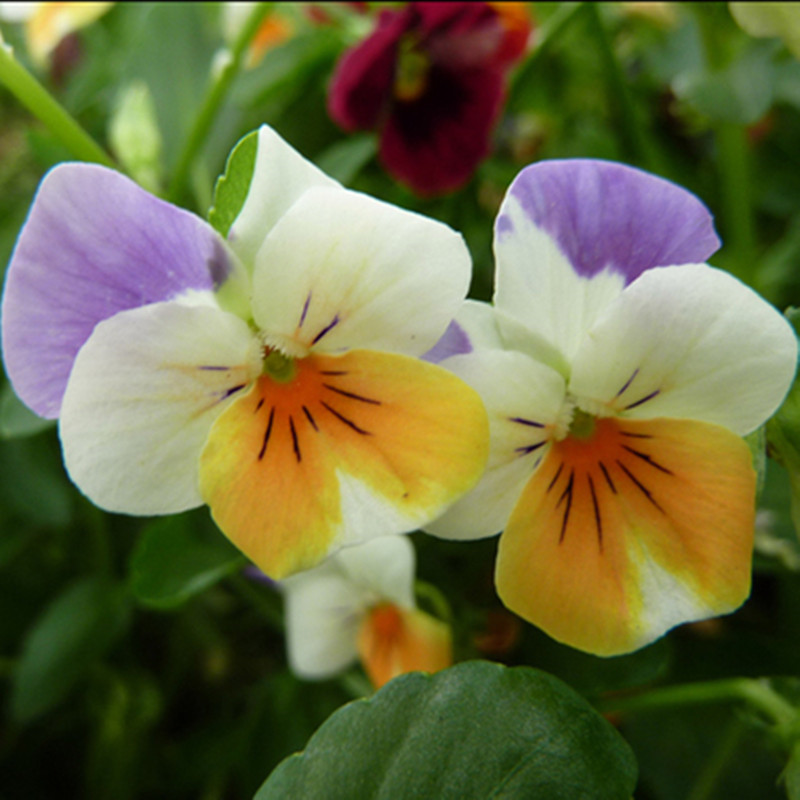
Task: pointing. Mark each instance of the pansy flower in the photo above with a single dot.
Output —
(359, 605)
(273, 376)
(431, 80)
(620, 374)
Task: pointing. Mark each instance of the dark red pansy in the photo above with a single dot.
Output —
(431, 79)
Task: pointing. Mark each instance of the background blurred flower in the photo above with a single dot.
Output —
(274, 30)
(359, 604)
(770, 19)
(431, 80)
(46, 24)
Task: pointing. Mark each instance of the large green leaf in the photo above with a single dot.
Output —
(232, 186)
(72, 633)
(178, 557)
(478, 730)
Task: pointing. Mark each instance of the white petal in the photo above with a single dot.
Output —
(323, 614)
(539, 287)
(383, 567)
(688, 342)
(143, 393)
(341, 270)
(281, 175)
(525, 403)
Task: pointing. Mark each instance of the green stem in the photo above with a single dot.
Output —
(716, 765)
(757, 694)
(255, 597)
(43, 105)
(634, 140)
(220, 85)
(733, 158)
(549, 33)
(435, 599)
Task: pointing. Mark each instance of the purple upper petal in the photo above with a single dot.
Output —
(94, 244)
(609, 215)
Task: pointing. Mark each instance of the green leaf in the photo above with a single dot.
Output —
(234, 184)
(73, 632)
(34, 487)
(477, 730)
(16, 419)
(178, 557)
(741, 93)
(791, 775)
(344, 160)
(783, 433)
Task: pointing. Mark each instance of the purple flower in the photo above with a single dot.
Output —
(431, 80)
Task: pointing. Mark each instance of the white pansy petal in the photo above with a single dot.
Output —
(571, 234)
(384, 567)
(525, 402)
(537, 286)
(281, 175)
(341, 270)
(323, 615)
(143, 393)
(688, 342)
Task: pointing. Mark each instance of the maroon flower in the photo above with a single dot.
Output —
(431, 79)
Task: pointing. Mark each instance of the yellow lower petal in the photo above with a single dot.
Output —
(352, 447)
(636, 528)
(394, 640)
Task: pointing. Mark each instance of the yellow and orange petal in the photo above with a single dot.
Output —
(52, 21)
(394, 640)
(623, 534)
(351, 447)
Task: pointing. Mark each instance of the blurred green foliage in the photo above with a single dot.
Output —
(136, 660)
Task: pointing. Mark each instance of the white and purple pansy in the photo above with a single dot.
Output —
(274, 375)
(620, 373)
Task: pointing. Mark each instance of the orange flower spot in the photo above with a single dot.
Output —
(619, 512)
(394, 640)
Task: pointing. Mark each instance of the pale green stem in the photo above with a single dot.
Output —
(635, 142)
(255, 597)
(44, 107)
(755, 693)
(549, 32)
(220, 84)
(733, 159)
(706, 783)
(733, 155)
(437, 601)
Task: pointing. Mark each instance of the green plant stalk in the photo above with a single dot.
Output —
(636, 144)
(733, 153)
(705, 786)
(755, 693)
(217, 92)
(48, 110)
(733, 161)
(255, 597)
